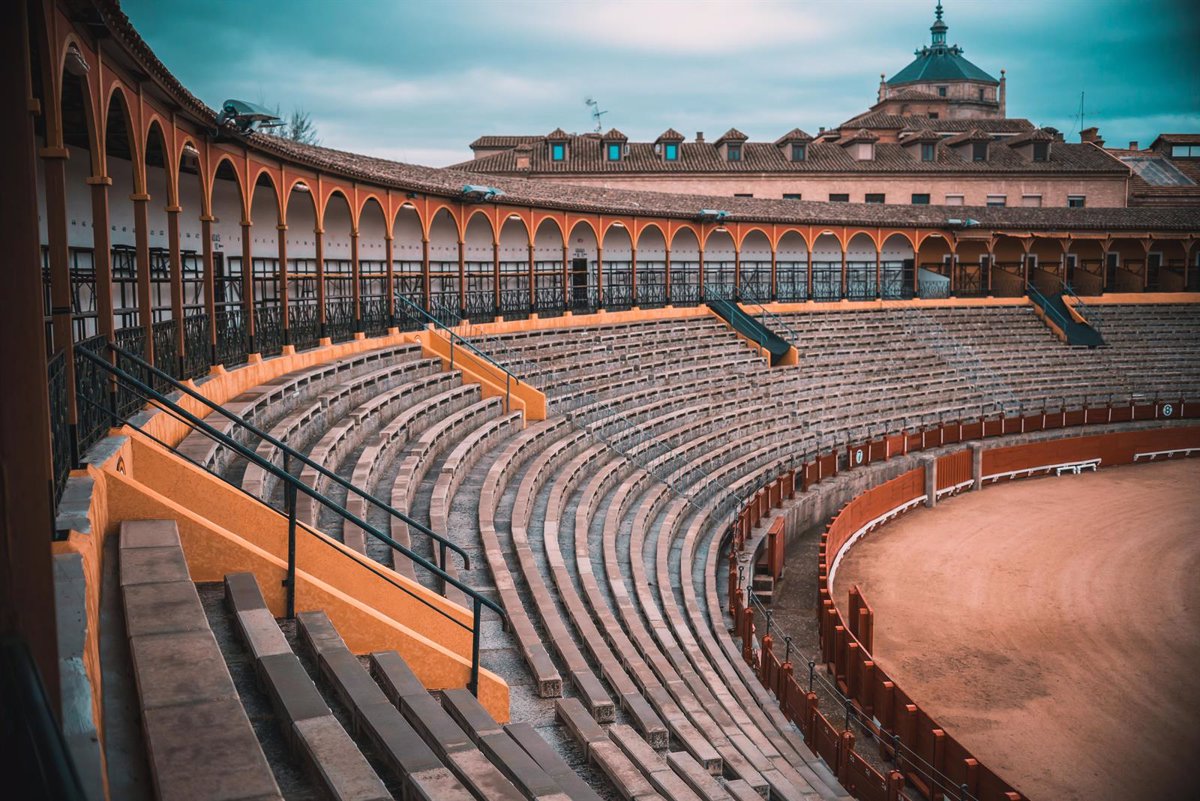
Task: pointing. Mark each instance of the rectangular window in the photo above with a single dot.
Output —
(954, 200)
(671, 151)
(874, 197)
(927, 151)
(982, 95)
(941, 91)
(839, 197)
(979, 151)
(1031, 201)
(614, 151)
(558, 151)
(997, 201)
(1041, 151)
(798, 151)
(743, 194)
(1185, 151)
(1076, 201)
(791, 196)
(734, 152)
(920, 199)
(933, 115)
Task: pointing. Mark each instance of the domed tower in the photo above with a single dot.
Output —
(941, 82)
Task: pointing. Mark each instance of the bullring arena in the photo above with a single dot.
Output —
(330, 476)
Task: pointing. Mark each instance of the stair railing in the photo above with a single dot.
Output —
(1043, 303)
(292, 487)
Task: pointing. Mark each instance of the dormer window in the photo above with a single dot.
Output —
(928, 149)
(733, 152)
(671, 151)
(799, 151)
(1041, 151)
(613, 151)
(558, 151)
(979, 151)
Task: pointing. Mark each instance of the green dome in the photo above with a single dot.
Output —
(940, 64)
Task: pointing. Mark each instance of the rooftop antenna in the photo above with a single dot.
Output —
(1079, 116)
(596, 113)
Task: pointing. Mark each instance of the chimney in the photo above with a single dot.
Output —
(882, 87)
(1092, 136)
(699, 137)
(1133, 145)
(1003, 94)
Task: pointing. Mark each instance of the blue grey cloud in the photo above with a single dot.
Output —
(418, 80)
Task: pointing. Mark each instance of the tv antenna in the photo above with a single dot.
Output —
(596, 113)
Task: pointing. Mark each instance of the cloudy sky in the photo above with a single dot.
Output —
(417, 80)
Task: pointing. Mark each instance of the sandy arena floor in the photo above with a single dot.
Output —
(1052, 626)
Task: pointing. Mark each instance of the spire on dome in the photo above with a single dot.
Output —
(939, 28)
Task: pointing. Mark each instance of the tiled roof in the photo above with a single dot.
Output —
(491, 142)
(861, 135)
(732, 135)
(877, 120)
(1178, 139)
(794, 135)
(614, 135)
(911, 94)
(557, 134)
(519, 191)
(966, 137)
(670, 135)
(823, 157)
(1039, 135)
(924, 135)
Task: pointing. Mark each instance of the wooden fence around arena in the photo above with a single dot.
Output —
(922, 754)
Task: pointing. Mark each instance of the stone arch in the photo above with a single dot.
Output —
(340, 267)
(683, 277)
(720, 265)
(617, 269)
(479, 262)
(754, 264)
(157, 169)
(512, 249)
(827, 266)
(651, 276)
(304, 288)
(549, 296)
(791, 267)
(897, 265)
(582, 253)
(265, 270)
(373, 235)
(861, 261)
(444, 279)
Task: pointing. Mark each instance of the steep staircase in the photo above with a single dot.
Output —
(1070, 323)
(753, 330)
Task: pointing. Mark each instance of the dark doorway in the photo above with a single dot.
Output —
(579, 283)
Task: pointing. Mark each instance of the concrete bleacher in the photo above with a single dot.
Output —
(597, 528)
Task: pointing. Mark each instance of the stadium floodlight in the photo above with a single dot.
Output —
(247, 117)
(712, 215)
(480, 193)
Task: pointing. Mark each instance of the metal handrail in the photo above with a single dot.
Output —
(455, 338)
(776, 322)
(1044, 304)
(1088, 312)
(289, 452)
(292, 485)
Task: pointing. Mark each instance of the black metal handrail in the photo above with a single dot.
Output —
(293, 485)
(290, 453)
(1043, 303)
(36, 759)
(455, 339)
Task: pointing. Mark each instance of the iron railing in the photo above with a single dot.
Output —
(60, 428)
(293, 486)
